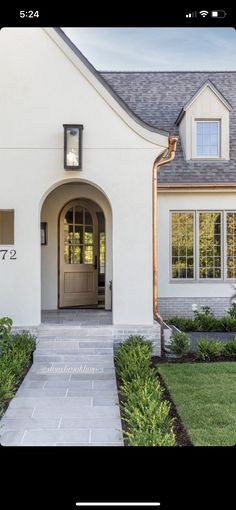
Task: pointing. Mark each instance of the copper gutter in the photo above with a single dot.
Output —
(163, 159)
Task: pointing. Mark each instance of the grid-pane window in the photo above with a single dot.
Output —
(102, 248)
(208, 133)
(78, 236)
(231, 244)
(182, 245)
(6, 226)
(210, 245)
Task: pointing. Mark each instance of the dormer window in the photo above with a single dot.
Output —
(207, 139)
(204, 125)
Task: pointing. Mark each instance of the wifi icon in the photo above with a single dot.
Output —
(203, 13)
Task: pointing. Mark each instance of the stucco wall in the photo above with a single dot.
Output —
(186, 292)
(41, 89)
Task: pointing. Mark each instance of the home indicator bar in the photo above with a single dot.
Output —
(150, 504)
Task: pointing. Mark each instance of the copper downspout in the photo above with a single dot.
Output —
(160, 160)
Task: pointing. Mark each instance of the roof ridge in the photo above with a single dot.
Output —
(158, 72)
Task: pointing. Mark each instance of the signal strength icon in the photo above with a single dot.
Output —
(203, 13)
(191, 14)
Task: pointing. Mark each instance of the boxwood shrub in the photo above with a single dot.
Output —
(204, 320)
(15, 355)
(208, 350)
(144, 411)
(229, 348)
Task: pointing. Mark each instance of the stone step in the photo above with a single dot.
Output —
(79, 342)
(88, 360)
(75, 331)
(73, 348)
(76, 351)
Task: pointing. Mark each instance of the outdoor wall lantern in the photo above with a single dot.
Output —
(44, 233)
(72, 146)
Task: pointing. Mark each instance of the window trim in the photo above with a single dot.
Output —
(194, 152)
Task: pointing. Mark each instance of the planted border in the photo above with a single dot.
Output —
(146, 414)
(204, 320)
(15, 357)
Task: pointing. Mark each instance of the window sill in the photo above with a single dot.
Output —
(205, 158)
(209, 280)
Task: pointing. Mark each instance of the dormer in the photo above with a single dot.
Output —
(204, 125)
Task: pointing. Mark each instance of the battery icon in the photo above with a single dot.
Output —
(218, 14)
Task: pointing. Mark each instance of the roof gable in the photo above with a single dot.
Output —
(206, 84)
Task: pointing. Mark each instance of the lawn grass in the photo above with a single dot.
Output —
(205, 397)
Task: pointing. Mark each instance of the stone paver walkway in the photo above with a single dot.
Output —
(69, 396)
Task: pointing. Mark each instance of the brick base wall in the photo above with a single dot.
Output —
(152, 333)
(182, 306)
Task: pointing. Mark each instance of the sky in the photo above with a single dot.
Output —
(157, 49)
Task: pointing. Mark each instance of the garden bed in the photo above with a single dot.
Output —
(146, 415)
(182, 437)
(16, 387)
(189, 358)
(16, 353)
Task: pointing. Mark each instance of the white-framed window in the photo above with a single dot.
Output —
(203, 245)
(207, 138)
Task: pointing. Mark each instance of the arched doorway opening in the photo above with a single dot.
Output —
(76, 248)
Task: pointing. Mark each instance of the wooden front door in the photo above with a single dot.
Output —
(78, 255)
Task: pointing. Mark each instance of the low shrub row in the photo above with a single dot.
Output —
(144, 411)
(204, 320)
(15, 354)
(206, 349)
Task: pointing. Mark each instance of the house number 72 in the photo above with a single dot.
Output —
(8, 254)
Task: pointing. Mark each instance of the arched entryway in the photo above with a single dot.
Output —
(76, 248)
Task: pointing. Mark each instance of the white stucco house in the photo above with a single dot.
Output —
(77, 148)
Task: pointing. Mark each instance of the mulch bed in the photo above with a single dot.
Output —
(190, 358)
(180, 431)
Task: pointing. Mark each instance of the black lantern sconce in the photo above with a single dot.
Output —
(73, 146)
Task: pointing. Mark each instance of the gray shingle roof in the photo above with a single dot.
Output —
(158, 97)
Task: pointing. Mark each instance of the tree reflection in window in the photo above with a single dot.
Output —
(209, 245)
(231, 244)
(183, 245)
(78, 236)
(102, 248)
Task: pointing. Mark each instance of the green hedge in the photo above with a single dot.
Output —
(146, 414)
(204, 320)
(15, 354)
(208, 350)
